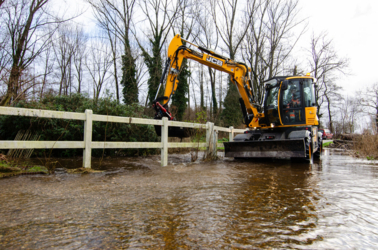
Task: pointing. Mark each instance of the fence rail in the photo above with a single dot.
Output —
(87, 145)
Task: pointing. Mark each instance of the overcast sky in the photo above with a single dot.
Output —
(353, 26)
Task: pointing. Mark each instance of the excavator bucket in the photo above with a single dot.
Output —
(266, 149)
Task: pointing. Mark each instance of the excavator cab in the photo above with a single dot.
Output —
(288, 101)
(294, 100)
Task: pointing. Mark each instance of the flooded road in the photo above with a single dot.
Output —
(227, 204)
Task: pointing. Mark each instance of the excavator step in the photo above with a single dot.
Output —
(266, 149)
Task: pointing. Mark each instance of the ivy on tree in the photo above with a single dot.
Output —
(179, 99)
(129, 83)
(154, 66)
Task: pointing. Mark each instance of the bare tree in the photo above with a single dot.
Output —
(5, 47)
(271, 39)
(64, 50)
(160, 15)
(282, 20)
(98, 64)
(26, 22)
(324, 63)
(230, 28)
(5, 59)
(332, 96)
(208, 38)
(80, 55)
(231, 24)
(48, 65)
(369, 100)
(348, 112)
(115, 18)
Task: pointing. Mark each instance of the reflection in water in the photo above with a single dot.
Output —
(225, 204)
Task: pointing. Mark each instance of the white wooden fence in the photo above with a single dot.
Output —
(87, 145)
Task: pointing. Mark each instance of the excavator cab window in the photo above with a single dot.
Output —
(271, 104)
(292, 100)
(308, 91)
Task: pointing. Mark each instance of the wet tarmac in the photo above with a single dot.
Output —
(227, 204)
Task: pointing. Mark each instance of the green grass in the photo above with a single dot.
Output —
(326, 144)
(37, 169)
(7, 170)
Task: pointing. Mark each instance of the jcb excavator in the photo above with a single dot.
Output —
(284, 126)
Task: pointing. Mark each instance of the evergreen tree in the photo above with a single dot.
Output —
(179, 99)
(154, 65)
(231, 114)
(129, 83)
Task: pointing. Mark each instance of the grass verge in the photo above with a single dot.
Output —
(8, 170)
(326, 144)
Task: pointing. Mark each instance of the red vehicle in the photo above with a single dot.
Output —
(326, 134)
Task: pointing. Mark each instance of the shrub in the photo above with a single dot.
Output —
(367, 146)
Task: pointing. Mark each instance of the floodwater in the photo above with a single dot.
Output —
(227, 204)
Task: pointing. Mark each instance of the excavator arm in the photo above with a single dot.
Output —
(239, 75)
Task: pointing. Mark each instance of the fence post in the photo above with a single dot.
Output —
(209, 136)
(164, 142)
(87, 152)
(215, 143)
(231, 134)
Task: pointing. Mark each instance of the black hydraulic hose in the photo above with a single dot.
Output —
(246, 68)
(167, 64)
(212, 53)
(249, 81)
(244, 111)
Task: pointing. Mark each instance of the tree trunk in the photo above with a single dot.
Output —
(18, 54)
(12, 86)
(213, 94)
(376, 119)
(329, 114)
(201, 89)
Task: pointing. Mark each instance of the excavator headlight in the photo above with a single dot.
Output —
(272, 125)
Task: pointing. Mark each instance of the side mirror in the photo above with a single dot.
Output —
(284, 85)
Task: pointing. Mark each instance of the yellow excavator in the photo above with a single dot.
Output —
(285, 126)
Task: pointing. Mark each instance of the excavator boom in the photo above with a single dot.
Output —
(239, 74)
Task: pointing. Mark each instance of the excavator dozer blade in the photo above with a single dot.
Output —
(266, 149)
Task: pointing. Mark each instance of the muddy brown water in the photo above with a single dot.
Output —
(227, 204)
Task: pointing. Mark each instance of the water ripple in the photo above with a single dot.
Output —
(224, 204)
